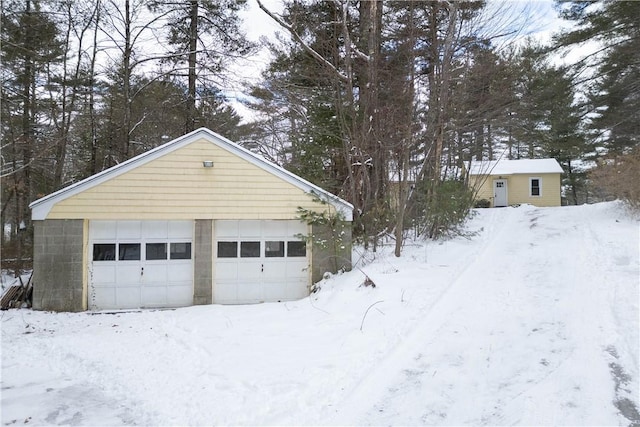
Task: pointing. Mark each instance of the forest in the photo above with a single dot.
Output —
(382, 103)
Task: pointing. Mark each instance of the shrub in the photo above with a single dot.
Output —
(441, 207)
(482, 203)
(619, 177)
(330, 233)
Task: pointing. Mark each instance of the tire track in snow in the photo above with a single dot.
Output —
(607, 256)
(562, 377)
(567, 394)
(371, 386)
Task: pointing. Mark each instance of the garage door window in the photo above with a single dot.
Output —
(249, 249)
(156, 251)
(274, 249)
(104, 252)
(129, 252)
(227, 249)
(180, 251)
(297, 249)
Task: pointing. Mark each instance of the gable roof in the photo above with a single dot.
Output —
(41, 207)
(512, 167)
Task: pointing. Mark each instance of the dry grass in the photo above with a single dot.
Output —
(619, 177)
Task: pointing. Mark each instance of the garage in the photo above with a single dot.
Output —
(197, 220)
(260, 261)
(140, 264)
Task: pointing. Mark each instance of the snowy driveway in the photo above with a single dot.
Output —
(532, 332)
(532, 321)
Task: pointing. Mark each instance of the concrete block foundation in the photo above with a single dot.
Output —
(58, 265)
(203, 262)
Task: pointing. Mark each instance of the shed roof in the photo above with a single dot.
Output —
(512, 167)
(41, 207)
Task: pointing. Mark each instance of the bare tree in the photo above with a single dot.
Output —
(129, 28)
(72, 77)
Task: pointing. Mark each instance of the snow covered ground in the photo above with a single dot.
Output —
(533, 320)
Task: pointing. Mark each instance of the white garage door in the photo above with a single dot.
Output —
(260, 261)
(140, 264)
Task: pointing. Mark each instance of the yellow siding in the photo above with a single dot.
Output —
(177, 186)
(550, 190)
(518, 189)
(483, 186)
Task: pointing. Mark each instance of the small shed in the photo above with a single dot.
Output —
(508, 182)
(198, 220)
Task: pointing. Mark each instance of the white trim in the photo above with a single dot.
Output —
(531, 178)
(41, 207)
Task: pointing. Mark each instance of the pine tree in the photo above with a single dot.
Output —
(614, 26)
(30, 45)
(203, 35)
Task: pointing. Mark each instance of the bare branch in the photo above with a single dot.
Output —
(144, 117)
(304, 45)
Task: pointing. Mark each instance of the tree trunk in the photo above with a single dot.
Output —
(406, 145)
(93, 165)
(193, 39)
(403, 196)
(126, 87)
(372, 155)
(572, 181)
(23, 183)
(61, 122)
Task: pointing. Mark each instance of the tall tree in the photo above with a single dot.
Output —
(30, 44)
(204, 35)
(614, 27)
(343, 46)
(527, 116)
(121, 27)
(377, 66)
(72, 77)
(128, 27)
(481, 96)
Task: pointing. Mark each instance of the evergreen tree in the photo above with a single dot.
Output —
(30, 45)
(300, 107)
(203, 35)
(564, 138)
(378, 81)
(614, 26)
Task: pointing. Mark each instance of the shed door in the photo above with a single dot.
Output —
(260, 261)
(140, 264)
(500, 192)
